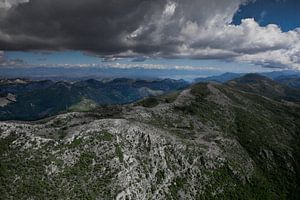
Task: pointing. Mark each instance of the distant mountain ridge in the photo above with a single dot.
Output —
(288, 77)
(291, 81)
(38, 99)
(219, 78)
(264, 86)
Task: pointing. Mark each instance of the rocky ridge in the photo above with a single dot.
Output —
(188, 146)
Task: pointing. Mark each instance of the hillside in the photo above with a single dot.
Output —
(264, 86)
(291, 81)
(278, 76)
(209, 141)
(219, 79)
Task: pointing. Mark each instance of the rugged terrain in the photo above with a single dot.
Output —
(209, 141)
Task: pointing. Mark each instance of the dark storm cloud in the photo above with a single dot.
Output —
(93, 25)
(198, 29)
(105, 27)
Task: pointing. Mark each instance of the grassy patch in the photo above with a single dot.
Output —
(177, 185)
(160, 176)
(170, 97)
(200, 90)
(149, 102)
(84, 105)
(119, 153)
(105, 136)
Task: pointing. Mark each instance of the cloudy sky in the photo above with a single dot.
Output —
(224, 35)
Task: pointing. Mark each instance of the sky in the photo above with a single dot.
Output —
(192, 37)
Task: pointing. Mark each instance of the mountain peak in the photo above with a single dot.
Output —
(251, 78)
(264, 86)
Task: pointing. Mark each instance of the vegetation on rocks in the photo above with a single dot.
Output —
(210, 141)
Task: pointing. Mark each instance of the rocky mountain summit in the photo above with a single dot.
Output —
(209, 141)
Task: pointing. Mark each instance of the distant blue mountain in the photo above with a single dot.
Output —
(220, 78)
(292, 81)
(278, 76)
(275, 74)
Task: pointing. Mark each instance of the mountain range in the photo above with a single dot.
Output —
(288, 77)
(235, 140)
(38, 99)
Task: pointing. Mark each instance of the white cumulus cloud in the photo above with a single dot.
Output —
(198, 29)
